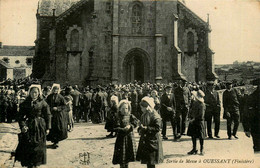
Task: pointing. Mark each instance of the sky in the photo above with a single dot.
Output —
(235, 26)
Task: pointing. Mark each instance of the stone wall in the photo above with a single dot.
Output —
(107, 33)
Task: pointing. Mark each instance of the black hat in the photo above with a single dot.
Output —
(168, 86)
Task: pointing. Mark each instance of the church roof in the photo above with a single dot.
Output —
(45, 7)
(8, 50)
(73, 8)
(185, 8)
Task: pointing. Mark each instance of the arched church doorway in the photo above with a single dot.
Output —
(136, 66)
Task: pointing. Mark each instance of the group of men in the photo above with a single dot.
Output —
(173, 105)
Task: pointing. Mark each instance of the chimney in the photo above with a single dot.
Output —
(1, 45)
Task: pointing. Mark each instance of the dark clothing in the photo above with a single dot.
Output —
(31, 149)
(6, 110)
(87, 105)
(182, 96)
(150, 149)
(231, 110)
(197, 125)
(125, 146)
(134, 102)
(243, 105)
(76, 104)
(168, 101)
(111, 119)
(98, 103)
(231, 101)
(212, 103)
(251, 121)
(233, 118)
(139, 111)
(59, 130)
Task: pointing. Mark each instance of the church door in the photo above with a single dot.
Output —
(135, 67)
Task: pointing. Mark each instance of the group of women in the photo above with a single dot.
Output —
(150, 149)
(43, 119)
(40, 120)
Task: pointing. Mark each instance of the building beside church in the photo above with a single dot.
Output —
(120, 41)
(15, 61)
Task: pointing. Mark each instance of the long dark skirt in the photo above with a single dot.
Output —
(150, 151)
(31, 149)
(125, 149)
(110, 121)
(59, 127)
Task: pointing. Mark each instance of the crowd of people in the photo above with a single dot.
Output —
(48, 114)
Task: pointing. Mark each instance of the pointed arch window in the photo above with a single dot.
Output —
(190, 42)
(74, 39)
(136, 18)
(74, 42)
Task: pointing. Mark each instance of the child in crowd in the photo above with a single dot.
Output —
(125, 146)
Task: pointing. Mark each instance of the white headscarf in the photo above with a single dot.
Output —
(149, 100)
(114, 99)
(35, 86)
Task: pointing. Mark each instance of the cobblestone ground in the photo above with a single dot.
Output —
(87, 146)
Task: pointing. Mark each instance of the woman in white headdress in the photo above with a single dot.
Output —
(35, 121)
(57, 103)
(150, 151)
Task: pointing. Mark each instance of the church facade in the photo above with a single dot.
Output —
(117, 41)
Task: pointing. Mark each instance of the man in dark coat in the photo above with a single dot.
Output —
(134, 100)
(183, 99)
(98, 103)
(251, 120)
(87, 104)
(140, 95)
(212, 102)
(76, 103)
(168, 107)
(231, 109)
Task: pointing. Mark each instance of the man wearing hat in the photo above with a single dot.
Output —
(76, 103)
(251, 120)
(168, 107)
(231, 109)
(183, 99)
(212, 103)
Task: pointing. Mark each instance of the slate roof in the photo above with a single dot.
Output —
(17, 50)
(193, 14)
(45, 6)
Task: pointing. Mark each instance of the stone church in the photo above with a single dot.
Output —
(120, 41)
